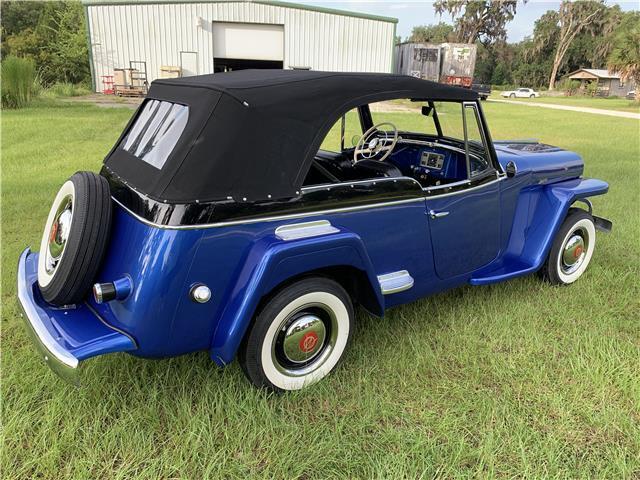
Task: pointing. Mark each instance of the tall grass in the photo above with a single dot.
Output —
(66, 89)
(18, 81)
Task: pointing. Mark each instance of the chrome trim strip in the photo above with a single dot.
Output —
(60, 360)
(268, 219)
(305, 230)
(447, 185)
(395, 282)
(326, 186)
(478, 187)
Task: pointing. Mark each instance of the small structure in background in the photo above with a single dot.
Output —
(107, 82)
(450, 63)
(170, 71)
(608, 84)
(132, 81)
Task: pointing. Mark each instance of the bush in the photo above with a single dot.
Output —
(19, 83)
(66, 89)
(569, 86)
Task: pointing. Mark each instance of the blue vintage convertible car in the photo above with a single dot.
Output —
(231, 217)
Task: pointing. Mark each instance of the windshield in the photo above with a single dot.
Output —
(156, 131)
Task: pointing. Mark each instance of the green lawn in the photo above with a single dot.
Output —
(614, 103)
(519, 379)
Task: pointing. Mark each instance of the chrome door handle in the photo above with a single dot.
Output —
(434, 214)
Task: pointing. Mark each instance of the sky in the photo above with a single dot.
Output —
(412, 12)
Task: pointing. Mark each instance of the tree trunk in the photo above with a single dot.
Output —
(554, 72)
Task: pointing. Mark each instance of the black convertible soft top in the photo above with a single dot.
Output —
(252, 134)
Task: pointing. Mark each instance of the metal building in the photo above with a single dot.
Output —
(192, 37)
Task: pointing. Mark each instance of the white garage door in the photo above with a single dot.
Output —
(255, 41)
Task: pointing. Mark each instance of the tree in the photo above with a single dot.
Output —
(625, 55)
(52, 34)
(478, 20)
(572, 18)
(438, 33)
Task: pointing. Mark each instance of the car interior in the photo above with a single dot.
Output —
(435, 156)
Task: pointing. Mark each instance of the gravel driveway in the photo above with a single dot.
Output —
(597, 111)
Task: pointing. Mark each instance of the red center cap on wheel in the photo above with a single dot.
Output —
(54, 232)
(308, 342)
(577, 252)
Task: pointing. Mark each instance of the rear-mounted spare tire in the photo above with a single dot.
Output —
(75, 239)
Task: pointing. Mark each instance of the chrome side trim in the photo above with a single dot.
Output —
(395, 282)
(458, 192)
(60, 361)
(268, 219)
(326, 186)
(305, 230)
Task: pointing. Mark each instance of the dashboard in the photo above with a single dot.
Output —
(432, 163)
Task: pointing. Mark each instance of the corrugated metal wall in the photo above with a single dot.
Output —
(156, 33)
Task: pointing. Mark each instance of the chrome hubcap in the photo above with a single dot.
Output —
(59, 234)
(305, 339)
(574, 252)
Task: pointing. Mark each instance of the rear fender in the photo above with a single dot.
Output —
(272, 261)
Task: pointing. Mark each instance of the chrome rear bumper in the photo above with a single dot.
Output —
(65, 336)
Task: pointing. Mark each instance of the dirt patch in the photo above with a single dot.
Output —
(392, 106)
(107, 101)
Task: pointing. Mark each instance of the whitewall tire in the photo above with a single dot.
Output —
(74, 239)
(299, 336)
(56, 233)
(572, 249)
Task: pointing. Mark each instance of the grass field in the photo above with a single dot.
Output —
(614, 103)
(519, 379)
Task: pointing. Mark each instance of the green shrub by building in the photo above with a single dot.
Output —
(19, 83)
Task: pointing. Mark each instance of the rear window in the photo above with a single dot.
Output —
(156, 131)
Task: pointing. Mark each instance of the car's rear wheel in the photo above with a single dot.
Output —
(571, 250)
(299, 336)
(74, 239)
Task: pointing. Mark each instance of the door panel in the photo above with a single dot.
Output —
(189, 63)
(465, 229)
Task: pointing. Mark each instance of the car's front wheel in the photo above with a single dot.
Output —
(571, 250)
(513, 95)
(299, 336)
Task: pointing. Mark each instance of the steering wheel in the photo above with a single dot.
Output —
(371, 144)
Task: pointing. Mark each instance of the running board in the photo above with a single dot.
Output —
(395, 282)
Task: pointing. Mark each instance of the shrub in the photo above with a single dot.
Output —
(18, 81)
(66, 89)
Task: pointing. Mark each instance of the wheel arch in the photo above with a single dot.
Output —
(561, 198)
(537, 217)
(273, 264)
(355, 282)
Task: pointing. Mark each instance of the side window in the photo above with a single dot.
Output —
(479, 160)
(352, 129)
(450, 118)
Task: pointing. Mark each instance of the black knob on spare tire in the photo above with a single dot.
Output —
(75, 239)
